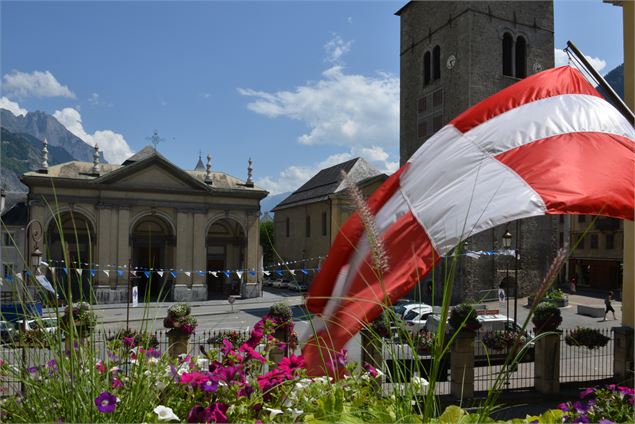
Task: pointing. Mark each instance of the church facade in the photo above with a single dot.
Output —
(177, 235)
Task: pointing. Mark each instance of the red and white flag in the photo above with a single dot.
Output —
(549, 144)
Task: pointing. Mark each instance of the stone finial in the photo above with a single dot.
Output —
(96, 160)
(208, 171)
(250, 172)
(45, 157)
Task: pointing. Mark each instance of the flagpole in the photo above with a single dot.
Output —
(618, 102)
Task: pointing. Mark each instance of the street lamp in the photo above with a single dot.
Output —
(507, 243)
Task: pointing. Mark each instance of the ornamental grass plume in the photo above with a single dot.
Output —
(375, 242)
(553, 271)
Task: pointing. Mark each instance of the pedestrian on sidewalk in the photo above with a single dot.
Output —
(572, 282)
(609, 307)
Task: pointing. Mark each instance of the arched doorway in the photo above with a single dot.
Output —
(225, 252)
(152, 246)
(70, 241)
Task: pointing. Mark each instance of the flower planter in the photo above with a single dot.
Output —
(177, 343)
(560, 303)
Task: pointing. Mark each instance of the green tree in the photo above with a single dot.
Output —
(266, 241)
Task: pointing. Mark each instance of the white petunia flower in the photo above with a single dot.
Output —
(273, 413)
(165, 414)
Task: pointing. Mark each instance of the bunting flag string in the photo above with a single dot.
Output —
(277, 270)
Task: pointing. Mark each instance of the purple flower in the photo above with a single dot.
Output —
(605, 421)
(251, 353)
(106, 402)
(290, 364)
(230, 373)
(564, 407)
(339, 361)
(217, 412)
(210, 385)
(581, 419)
(580, 408)
(227, 348)
(112, 356)
(586, 392)
(32, 370)
(370, 369)
(245, 391)
(128, 341)
(196, 414)
(52, 366)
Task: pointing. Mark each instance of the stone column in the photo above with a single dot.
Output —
(250, 289)
(623, 355)
(371, 349)
(183, 259)
(101, 283)
(124, 249)
(547, 364)
(199, 257)
(462, 365)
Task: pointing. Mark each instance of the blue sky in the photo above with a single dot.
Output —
(297, 86)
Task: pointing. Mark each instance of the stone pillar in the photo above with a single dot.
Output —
(623, 355)
(250, 289)
(183, 259)
(371, 349)
(199, 257)
(177, 343)
(547, 364)
(123, 244)
(103, 245)
(462, 365)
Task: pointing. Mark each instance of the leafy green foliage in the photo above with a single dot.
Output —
(590, 338)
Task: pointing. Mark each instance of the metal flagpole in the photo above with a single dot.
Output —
(618, 102)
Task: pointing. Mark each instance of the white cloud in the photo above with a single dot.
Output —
(340, 109)
(562, 59)
(35, 84)
(114, 146)
(12, 107)
(336, 48)
(349, 19)
(291, 178)
(204, 95)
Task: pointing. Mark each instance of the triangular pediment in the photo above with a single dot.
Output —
(153, 172)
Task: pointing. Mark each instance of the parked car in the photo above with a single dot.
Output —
(267, 282)
(400, 306)
(416, 317)
(280, 284)
(297, 286)
(7, 331)
(47, 324)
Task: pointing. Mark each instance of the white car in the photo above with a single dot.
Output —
(46, 324)
(416, 317)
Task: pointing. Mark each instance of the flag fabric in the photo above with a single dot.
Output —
(549, 144)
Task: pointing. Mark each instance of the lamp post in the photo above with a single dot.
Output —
(34, 230)
(507, 242)
(36, 256)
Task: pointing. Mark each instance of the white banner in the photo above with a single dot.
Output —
(135, 296)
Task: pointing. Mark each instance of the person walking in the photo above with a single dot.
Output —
(609, 307)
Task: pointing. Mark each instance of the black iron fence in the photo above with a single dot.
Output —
(579, 363)
(33, 356)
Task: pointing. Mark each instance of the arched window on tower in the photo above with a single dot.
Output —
(436, 63)
(521, 57)
(426, 68)
(508, 47)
